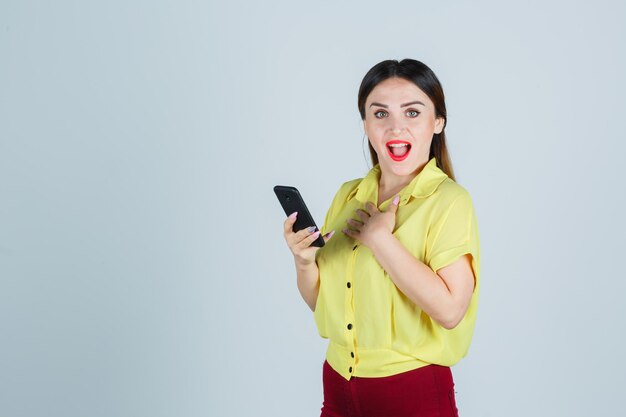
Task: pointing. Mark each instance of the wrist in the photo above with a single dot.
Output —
(304, 264)
(382, 241)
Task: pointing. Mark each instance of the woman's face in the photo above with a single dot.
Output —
(400, 122)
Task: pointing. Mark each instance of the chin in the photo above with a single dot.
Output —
(401, 169)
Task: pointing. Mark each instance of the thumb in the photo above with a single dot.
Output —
(393, 207)
(328, 235)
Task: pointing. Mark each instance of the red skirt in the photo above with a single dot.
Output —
(423, 392)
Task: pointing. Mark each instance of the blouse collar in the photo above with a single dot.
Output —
(424, 184)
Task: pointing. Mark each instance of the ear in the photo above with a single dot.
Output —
(439, 124)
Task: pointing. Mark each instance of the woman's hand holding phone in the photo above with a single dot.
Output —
(300, 242)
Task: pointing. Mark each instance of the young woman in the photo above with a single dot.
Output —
(396, 292)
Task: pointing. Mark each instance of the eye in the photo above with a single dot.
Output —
(412, 113)
(379, 111)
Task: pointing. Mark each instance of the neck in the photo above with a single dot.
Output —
(391, 182)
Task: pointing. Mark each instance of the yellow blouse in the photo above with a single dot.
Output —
(374, 330)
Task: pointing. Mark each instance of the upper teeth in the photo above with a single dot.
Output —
(397, 145)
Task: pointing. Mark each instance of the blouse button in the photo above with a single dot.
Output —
(354, 247)
(349, 285)
(350, 369)
(349, 326)
(352, 354)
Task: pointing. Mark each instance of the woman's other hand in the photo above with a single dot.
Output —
(373, 224)
(300, 242)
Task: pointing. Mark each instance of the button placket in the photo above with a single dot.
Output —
(349, 308)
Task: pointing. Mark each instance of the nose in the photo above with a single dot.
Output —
(396, 125)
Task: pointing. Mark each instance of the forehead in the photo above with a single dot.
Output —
(395, 91)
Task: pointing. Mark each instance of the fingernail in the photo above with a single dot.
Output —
(316, 234)
(330, 234)
(395, 200)
(310, 229)
(293, 215)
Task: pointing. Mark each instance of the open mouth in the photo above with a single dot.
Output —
(398, 149)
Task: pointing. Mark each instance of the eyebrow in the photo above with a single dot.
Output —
(403, 105)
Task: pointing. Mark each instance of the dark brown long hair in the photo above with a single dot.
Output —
(426, 80)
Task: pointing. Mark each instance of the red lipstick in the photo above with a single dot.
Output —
(400, 146)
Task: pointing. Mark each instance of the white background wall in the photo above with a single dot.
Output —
(143, 270)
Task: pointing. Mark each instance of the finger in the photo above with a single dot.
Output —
(300, 235)
(355, 223)
(328, 235)
(352, 233)
(371, 208)
(288, 224)
(362, 214)
(306, 242)
(393, 207)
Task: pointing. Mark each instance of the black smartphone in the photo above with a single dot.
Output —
(291, 200)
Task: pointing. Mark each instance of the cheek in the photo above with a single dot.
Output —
(423, 126)
(375, 131)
